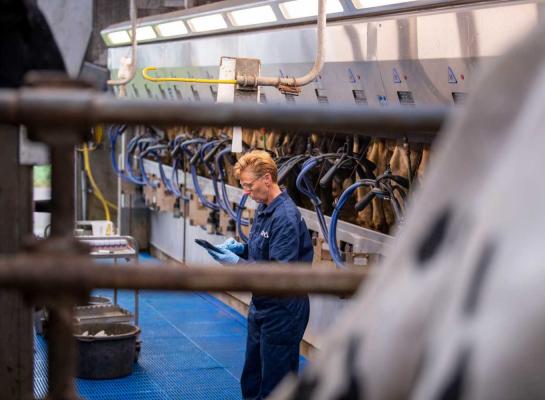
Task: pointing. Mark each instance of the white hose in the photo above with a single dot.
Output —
(311, 75)
(127, 69)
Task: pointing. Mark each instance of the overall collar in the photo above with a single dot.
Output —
(266, 210)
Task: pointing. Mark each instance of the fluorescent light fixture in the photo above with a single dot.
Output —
(119, 37)
(145, 33)
(376, 3)
(252, 16)
(174, 28)
(308, 8)
(207, 23)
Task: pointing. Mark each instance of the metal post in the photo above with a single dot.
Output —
(62, 182)
(16, 340)
(120, 193)
(83, 177)
(61, 141)
(75, 166)
(115, 288)
(136, 306)
(185, 203)
(61, 353)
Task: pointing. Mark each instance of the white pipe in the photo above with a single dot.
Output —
(128, 76)
(120, 193)
(311, 75)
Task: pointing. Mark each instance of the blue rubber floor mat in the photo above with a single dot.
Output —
(192, 348)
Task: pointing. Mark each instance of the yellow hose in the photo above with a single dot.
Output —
(99, 133)
(93, 148)
(97, 192)
(188, 80)
(111, 205)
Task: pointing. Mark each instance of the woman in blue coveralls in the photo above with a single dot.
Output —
(275, 324)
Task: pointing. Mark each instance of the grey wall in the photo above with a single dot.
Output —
(71, 23)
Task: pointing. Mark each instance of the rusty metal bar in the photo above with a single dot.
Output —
(65, 274)
(61, 353)
(62, 184)
(66, 107)
(16, 338)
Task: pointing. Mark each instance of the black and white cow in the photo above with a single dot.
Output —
(458, 308)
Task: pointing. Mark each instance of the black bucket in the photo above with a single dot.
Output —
(99, 300)
(106, 357)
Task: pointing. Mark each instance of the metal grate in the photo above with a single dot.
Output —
(40, 388)
(139, 383)
(157, 395)
(175, 362)
(200, 382)
(211, 328)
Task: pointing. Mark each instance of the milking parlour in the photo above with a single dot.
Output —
(272, 199)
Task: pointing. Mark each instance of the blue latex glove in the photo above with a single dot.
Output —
(232, 245)
(226, 257)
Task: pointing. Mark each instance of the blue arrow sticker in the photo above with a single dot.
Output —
(451, 76)
(395, 76)
(351, 76)
(382, 100)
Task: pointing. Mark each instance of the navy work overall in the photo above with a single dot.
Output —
(275, 324)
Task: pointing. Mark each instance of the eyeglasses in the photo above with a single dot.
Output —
(250, 185)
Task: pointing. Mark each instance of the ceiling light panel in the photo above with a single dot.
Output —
(308, 8)
(145, 33)
(252, 16)
(207, 23)
(169, 29)
(359, 4)
(119, 37)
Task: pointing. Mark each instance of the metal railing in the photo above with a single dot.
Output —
(58, 272)
(69, 108)
(80, 274)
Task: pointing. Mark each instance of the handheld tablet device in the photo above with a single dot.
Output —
(207, 245)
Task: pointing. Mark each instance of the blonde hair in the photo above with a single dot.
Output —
(259, 162)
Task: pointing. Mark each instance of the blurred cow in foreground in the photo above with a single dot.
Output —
(457, 310)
